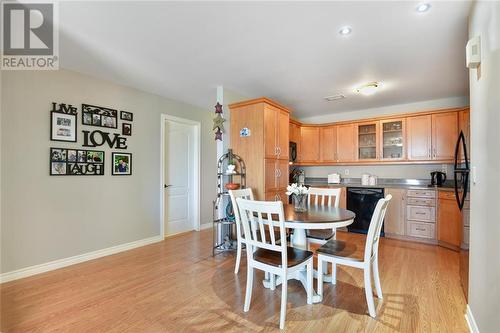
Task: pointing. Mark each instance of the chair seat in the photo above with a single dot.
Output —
(341, 249)
(322, 234)
(294, 256)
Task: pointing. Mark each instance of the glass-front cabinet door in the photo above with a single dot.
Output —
(368, 141)
(392, 138)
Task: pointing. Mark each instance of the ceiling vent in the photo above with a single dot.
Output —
(334, 97)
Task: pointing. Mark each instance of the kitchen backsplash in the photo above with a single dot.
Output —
(421, 171)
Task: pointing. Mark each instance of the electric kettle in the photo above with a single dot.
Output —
(438, 178)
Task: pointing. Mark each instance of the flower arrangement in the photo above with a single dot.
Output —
(299, 195)
(295, 189)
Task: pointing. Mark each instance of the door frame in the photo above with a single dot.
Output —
(196, 169)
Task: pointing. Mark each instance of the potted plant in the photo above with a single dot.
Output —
(299, 196)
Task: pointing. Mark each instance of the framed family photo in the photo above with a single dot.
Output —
(128, 116)
(121, 164)
(99, 116)
(62, 127)
(126, 129)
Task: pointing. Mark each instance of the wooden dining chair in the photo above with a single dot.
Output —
(343, 253)
(268, 255)
(323, 197)
(245, 193)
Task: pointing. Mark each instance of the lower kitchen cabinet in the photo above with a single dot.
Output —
(449, 221)
(394, 223)
(278, 195)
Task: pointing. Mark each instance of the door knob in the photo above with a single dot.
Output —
(166, 186)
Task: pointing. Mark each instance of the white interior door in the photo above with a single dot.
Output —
(179, 171)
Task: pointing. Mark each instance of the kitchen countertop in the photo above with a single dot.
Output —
(416, 184)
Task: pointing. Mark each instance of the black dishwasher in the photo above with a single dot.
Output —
(362, 202)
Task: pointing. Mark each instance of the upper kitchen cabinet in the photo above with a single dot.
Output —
(392, 139)
(276, 132)
(347, 143)
(309, 144)
(368, 141)
(464, 126)
(328, 143)
(419, 137)
(265, 146)
(294, 131)
(444, 135)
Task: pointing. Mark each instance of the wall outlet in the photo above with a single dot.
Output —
(346, 172)
(444, 168)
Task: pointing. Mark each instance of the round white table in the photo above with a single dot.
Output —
(316, 217)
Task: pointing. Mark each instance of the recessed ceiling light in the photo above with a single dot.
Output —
(423, 7)
(334, 97)
(368, 89)
(344, 31)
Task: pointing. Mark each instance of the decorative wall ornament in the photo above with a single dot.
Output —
(218, 122)
(126, 129)
(63, 108)
(124, 115)
(98, 138)
(76, 162)
(122, 164)
(99, 116)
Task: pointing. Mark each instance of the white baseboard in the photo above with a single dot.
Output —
(60, 263)
(471, 321)
(205, 226)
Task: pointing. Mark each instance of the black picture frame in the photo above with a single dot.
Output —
(114, 171)
(99, 116)
(125, 115)
(75, 162)
(127, 129)
(56, 129)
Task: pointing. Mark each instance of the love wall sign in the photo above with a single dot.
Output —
(98, 138)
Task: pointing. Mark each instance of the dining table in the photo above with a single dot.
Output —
(316, 217)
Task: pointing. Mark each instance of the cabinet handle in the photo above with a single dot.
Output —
(435, 152)
(417, 213)
(429, 153)
(420, 229)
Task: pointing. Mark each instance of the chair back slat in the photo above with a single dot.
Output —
(373, 236)
(245, 193)
(323, 196)
(252, 221)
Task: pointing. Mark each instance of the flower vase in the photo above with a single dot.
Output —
(300, 202)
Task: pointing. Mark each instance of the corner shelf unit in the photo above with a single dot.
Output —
(224, 228)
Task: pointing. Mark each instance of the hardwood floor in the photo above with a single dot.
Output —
(177, 286)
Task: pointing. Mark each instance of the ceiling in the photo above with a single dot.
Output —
(288, 51)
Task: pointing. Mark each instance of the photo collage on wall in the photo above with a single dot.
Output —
(76, 162)
(87, 162)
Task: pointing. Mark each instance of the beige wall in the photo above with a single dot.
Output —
(484, 287)
(47, 218)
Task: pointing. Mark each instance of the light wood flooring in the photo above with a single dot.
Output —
(177, 286)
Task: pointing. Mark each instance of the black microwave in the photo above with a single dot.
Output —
(293, 151)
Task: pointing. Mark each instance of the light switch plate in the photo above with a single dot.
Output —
(346, 172)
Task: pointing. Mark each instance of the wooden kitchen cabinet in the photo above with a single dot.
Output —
(265, 151)
(393, 139)
(449, 224)
(444, 135)
(368, 141)
(419, 137)
(276, 128)
(294, 130)
(309, 143)
(464, 126)
(328, 143)
(347, 145)
(394, 223)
